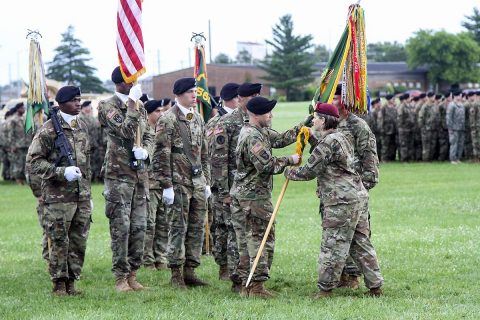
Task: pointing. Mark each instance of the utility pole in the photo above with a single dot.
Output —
(209, 41)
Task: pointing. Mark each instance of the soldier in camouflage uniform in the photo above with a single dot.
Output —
(156, 234)
(65, 191)
(443, 143)
(18, 142)
(94, 132)
(428, 122)
(180, 164)
(375, 110)
(468, 102)
(456, 127)
(417, 134)
(405, 124)
(387, 124)
(475, 126)
(252, 191)
(126, 178)
(366, 165)
(218, 155)
(4, 148)
(345, 226)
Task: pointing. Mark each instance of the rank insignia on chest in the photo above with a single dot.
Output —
(209, 132)
(189, 116)
(264, 155)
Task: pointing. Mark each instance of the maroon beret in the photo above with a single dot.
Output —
(326, 108)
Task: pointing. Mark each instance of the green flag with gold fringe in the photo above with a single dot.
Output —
(200, 74)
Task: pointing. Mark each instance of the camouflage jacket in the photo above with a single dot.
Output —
(16, 137)
(332, 163)
(387, 120)
(255, 163)
(218, 155)
(120, 125)
(428, 117)
(93, 129)
(442, 114)
(43, 155)
(405, 117)
(456, 116)
(474, 117)
(364, 145)
(170, 163)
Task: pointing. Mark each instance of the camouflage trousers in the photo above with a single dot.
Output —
(429, 141)
(126, 209)
(345, 230)
(405, 145)
(67, 226)
(17, 163)
(6, 166)
(211, 226)
(225, 250)
(457, 140)
(468, 145)
(186, 217)
(475, 133)
(250, 220)
(417, 143)
(443, 145)
(389, 147)
(156, 234)
(35, 183)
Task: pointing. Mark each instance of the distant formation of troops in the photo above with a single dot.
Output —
(427, 127)
(165, 172)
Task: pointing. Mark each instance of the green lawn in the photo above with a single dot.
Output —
(425, 227)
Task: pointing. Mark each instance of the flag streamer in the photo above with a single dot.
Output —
(204, 103)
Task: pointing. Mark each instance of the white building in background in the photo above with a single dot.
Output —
(257, 50)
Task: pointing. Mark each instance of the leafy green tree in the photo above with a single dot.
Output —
(70, 64)
(244, 57)
(321, 53)
(290, 66)
(222, 58)
(449, 58)
(386, 52)
(473, 24)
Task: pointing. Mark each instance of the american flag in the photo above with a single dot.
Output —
(130, 46)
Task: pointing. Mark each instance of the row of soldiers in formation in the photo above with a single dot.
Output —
(160, 167)
(427, 127)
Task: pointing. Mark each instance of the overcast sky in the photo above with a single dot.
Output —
(168, 26)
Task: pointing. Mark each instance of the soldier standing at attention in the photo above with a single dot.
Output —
(218, 155)
(156, 234)
(474, 119)
(456, 127)
(427, 121)
(94, 131)
(65, 191)
(468, 99)
(387, 123)
(443, 143)
(365, 164)
(405, 124)
(252, 191)
(180, 164)
(345, 226)
(374, 127)
(417, 134)
(126, 178)
(18, 143)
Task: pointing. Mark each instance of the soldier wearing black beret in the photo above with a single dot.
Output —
(184, 84)
(249, 89)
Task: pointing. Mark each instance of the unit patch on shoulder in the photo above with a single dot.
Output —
(257, 147)
(117, 118)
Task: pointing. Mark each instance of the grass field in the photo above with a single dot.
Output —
(426, 229)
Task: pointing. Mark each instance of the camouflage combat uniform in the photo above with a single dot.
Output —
(468, 146)
(18, 143)
(172, 168)
(94, 132)
(456, 129)
(443, 141)
(252, 194)
(428, 121)
(387, 124)
(4, 150)
(67, 210)
(126, 190)
(417, 134)
(406, 125)
(474, 118)
(345, 226)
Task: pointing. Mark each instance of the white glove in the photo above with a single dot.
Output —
(72, 173)
(208, 192)
(140, 153)
(91, 204)
(135, 92)
(168, 195)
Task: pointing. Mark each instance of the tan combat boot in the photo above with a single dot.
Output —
(133, 283)
(121, 285)
(59, 288)
(243, 290)
(348, 281)
(322, 294)
(177, 278)
(191, 279)
(257, 290)
(374, 292)
(70, 287)
(223, 273)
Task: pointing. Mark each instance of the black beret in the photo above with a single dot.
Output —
(117, 76)
(374, 101)
(229, 91)
(144, 98)
(438, 96)
(389, 96)
(430, 94)
(404, 96)
(152, 105)
(471, 93)
(184, 84)
(67, 93)
(86, 103)
(338, 90)
(249, 89)
(457, 93)
(416, 98)
(477, 93)
(260, 105)
(164, 102)
(422, 95)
